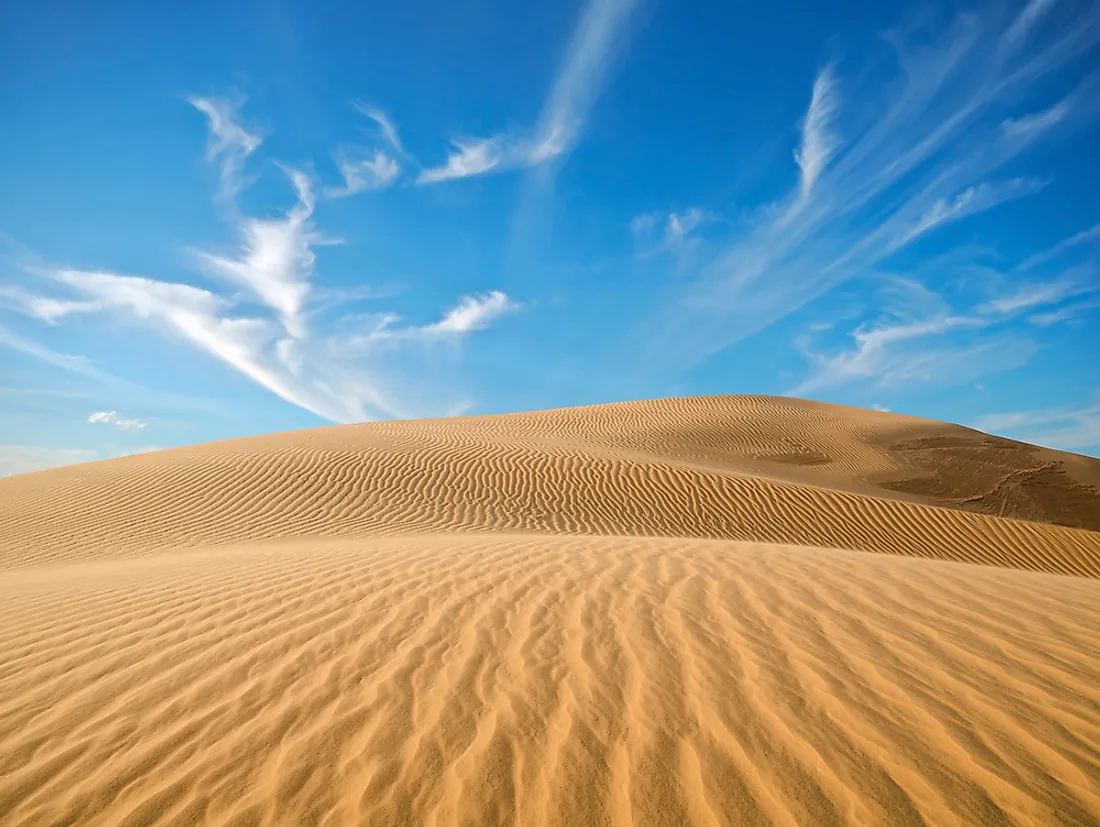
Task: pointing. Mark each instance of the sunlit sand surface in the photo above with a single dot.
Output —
(727, 610)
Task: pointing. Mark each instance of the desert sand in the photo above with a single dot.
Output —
(708, 611)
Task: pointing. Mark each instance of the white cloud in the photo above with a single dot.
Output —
(1035, 124)
(921, 339)
(387, 127)
(1029, 16)
(472, 313)
(1065, 429)
(1063, 314)
(675, 229)
(970, 201)
(459, 409)
(196, 316)
(271, 343)
(374, 172)
(1036, 295)
(315, 375)
(1079, 433)
(578, 84)
(75, 364)
(1002, 421)
(42, 307)
(680, 226)
(1060, 249)
(277, 258)
(818, 139)
(471, 157)
(581, 77)
(52, 309)
(885, 355)
(112, 418)
(926, 144)
(229, 140)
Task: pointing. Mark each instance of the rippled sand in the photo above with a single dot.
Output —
(649, 613)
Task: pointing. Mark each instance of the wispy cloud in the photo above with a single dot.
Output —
(1031, 126)
(73, 363)
(195, 315)
(374, 172)
(42, 307)
(230, 142)
(1076, 433)
(469, 158)
(1092, 234)
(82, 366)
(1068, 429)
(885, 355)
(277, 258)
(681, 225)
(262, 333)
(920, 149)
(471, 314)
(656, 232)
(1039, 294)
(386, 126)
(970, 201)
(112, 418)
(578, 84)
(819, 141)
(1029, 16)
(203, 320)
(581, 76)
(1068, 312)
(918, 337)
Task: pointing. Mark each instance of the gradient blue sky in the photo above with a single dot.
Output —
(228, 218)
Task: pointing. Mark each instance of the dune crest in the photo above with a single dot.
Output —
(738, 468)
(641, 614)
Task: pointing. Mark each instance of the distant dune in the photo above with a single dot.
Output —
(648, 613)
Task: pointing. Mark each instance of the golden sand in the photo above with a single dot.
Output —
(647, 613)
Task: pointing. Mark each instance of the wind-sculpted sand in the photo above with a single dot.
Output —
(734, 610)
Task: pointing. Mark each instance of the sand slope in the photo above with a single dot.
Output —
(739, 468)
(558, 618)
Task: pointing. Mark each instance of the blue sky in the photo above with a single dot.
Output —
(230, 218)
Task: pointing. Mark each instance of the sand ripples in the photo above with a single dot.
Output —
(676, 468)
(650, 614)
(548, 680)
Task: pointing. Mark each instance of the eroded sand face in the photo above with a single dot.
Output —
(655, 613)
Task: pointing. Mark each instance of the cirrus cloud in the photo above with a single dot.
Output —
(112, 418)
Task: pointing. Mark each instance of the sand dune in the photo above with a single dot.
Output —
(651, 613)
(737, 468)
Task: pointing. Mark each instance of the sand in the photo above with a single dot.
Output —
(727, 610)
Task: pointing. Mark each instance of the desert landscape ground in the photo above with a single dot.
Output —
(707, 611)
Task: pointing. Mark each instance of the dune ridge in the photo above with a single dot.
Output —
(656, 613)
(716, 467)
